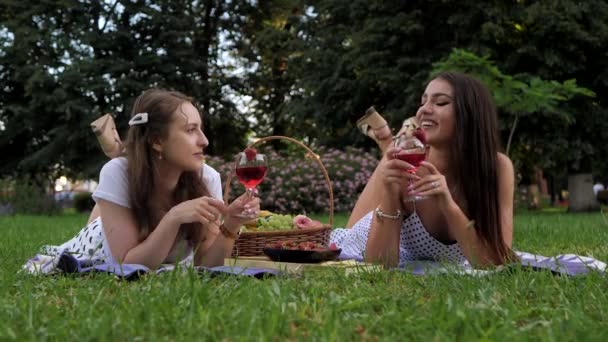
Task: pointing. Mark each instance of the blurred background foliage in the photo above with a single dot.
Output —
(305, 69)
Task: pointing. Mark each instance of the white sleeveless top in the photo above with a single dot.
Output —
(415, 242)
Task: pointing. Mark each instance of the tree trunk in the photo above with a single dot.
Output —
(533, 197)
(552, 190)
(203, 44)
(580, 193)
(511, 134)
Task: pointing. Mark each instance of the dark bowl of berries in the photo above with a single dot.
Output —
(301, 252)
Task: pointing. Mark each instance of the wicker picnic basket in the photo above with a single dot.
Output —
(252, 243)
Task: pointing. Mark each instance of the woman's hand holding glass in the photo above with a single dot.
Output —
(203, 210)
(394, 175)
(245, 208)
(413, 152)
(432, 184)
(209, 211)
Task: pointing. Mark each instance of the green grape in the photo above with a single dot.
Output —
(275, 222)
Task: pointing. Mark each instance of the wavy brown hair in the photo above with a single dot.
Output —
(162, 107)
(474, 156)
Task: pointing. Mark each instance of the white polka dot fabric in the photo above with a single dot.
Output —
(415, 242)
(89, 243)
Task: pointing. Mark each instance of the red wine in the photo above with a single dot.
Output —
(251, 176)
(413, 158)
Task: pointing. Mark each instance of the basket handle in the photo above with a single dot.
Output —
(314, 156)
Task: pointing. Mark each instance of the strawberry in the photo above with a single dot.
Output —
(420, 135)
(333, 247)
(250, 153)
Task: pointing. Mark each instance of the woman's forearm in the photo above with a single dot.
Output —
(383, 240)
(463, 230)
(156, 247)
(216, 252)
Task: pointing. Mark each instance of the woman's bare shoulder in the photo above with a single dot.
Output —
(505, 174)
(503, 163)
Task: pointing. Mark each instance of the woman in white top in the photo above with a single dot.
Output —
(469, 184)
(160, 203)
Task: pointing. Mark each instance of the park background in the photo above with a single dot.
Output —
(307, 70)
(304, 69)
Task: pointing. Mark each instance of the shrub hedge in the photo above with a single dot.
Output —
(83, 202)
(24, 196)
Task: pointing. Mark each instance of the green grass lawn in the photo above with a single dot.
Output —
(388, 305)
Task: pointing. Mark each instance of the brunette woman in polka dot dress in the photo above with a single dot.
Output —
(467, 213)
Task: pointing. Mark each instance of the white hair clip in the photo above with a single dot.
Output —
(138, 119)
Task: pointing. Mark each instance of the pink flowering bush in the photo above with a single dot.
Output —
(295, 183)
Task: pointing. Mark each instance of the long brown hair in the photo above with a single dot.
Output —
(474, 158)
(142, 171)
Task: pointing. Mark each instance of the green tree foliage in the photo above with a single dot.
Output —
(524, 100)
(361, 53)
(304, 68)
(266, 41)
(64, 63)
(560, 40)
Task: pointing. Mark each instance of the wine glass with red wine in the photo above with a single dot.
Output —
(251, 168)
(413, 152)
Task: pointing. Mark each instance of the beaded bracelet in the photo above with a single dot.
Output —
(381, 214)
(227, 233)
